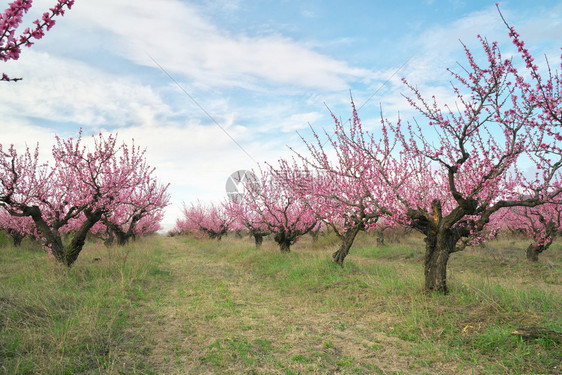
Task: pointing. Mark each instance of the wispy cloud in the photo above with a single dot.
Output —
(186, 43)
(68, 91)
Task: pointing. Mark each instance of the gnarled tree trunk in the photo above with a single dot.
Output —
(534, 250)
(440, 242)
(72, 251)
(258, 238)
(67, 255)
(437, 251)
(285, 246)
(17, 238)
(315, 234)
(347, 240)
(284, 240)
(380, 237)
(109, 240)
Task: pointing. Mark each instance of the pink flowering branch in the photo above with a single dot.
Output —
(17, 227)
(11, 19)
(244, 217)
(452, 175)
(499, 121)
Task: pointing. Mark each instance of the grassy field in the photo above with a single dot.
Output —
(181, 305)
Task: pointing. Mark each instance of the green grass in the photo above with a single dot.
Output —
(181, 305)
(59, 320)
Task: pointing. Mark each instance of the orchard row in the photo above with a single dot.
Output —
(490, 163)
(107, 189)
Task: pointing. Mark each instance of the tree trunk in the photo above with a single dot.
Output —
(51, 237)
(380, 237)
(534, 250)
(314, 234)
(109, 240)
(214, 235)
(122, 238)
(284, 241)
(346, 243)
(115, 232)
(437, 250)
(258, 238)
(17, 238)
(285, 246)
(72, 251)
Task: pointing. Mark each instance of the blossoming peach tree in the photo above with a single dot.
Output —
(202, 219)
(10, 21)
(497, 148)
(506, 120)
(542, 224)
(16, 227)
(275, 208)
(244, 217)
(81, 187)
(347, 191)
(141, 210)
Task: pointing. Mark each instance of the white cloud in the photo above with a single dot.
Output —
(184, 42)
(299, 121)
(62, 90)
(440, 47)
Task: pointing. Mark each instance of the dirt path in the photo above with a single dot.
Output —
(213, 317)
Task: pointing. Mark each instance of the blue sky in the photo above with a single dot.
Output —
(263, 69)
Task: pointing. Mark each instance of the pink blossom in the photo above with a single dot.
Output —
(10, 20)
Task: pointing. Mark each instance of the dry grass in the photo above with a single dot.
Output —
(180, 305)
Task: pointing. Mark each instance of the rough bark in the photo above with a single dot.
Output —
(347, 240)
(284, 240)
(72, 251)
(109, 240)
(258, 238)
(437, 252)
(285, 246)
(115, 232)
(67, 255)
(440, 242)
(123, 238)
(215, 235)
(380, 237)
(17, 238)
(315, 234)
(51, 237)
(534, 250)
